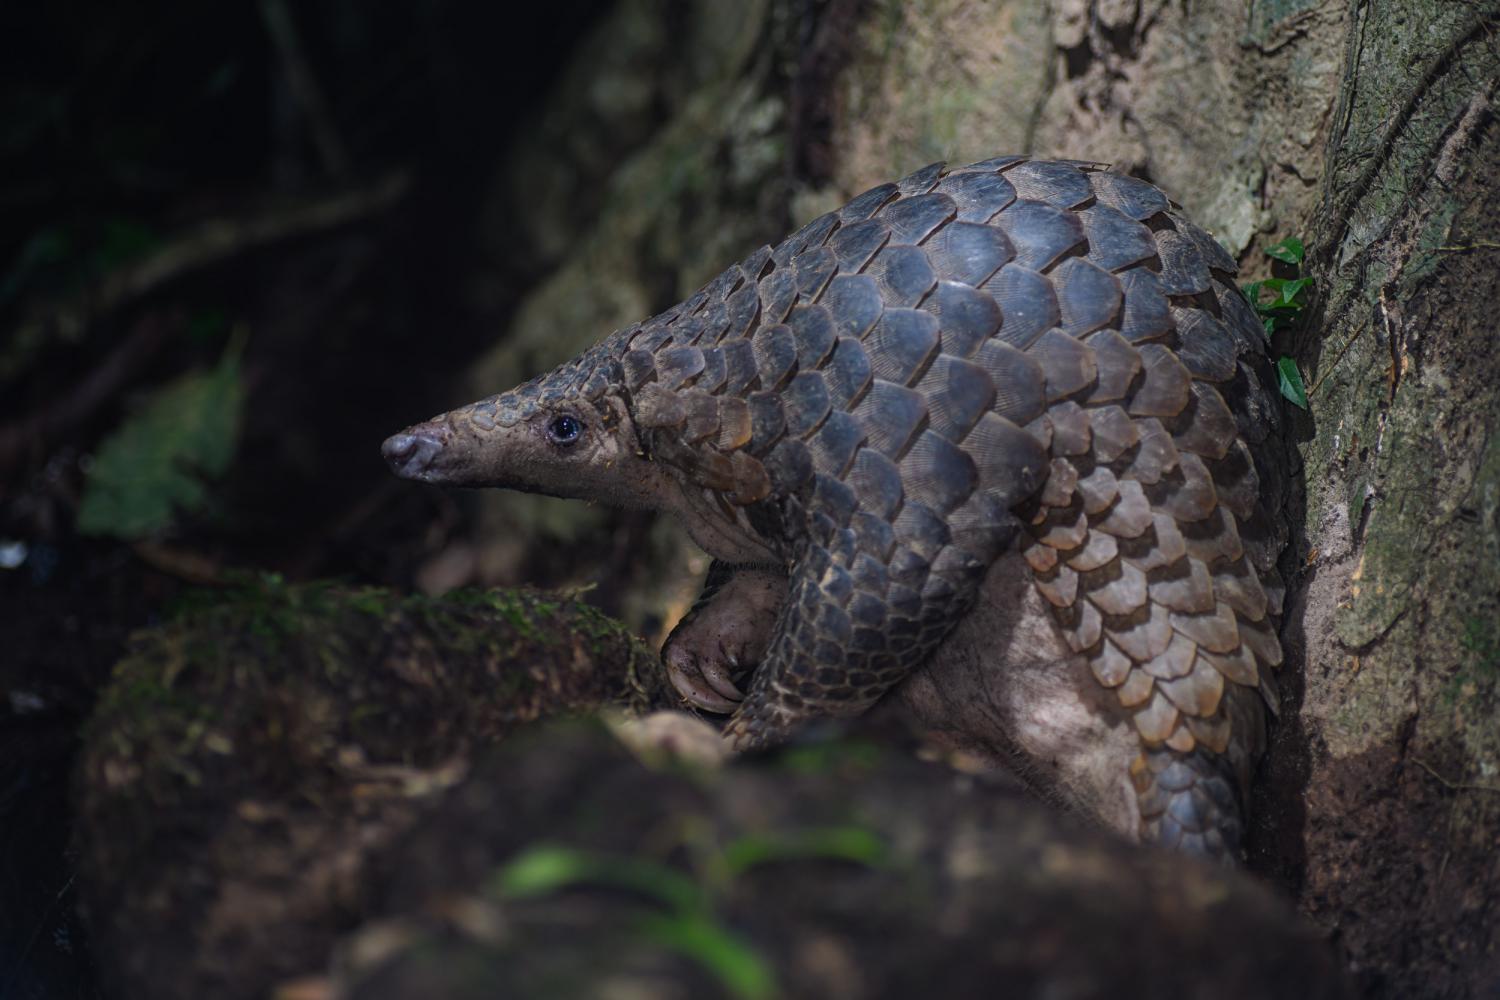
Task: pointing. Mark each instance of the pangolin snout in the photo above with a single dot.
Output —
(411, 452)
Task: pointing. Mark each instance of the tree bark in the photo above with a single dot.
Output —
(1396, 738)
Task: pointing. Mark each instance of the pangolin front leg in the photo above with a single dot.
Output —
(872, 595)
(826, 642)
(841, 640)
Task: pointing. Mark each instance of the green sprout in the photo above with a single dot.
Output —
(684, 918)
(1279, 302)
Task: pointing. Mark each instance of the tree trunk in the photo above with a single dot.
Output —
(1396, 742)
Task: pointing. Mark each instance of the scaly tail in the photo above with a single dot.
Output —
(1153, 538)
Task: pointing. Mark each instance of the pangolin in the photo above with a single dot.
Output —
(995, 439)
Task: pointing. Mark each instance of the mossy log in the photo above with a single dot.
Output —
(252, 758)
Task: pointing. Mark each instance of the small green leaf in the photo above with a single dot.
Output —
(1290, 379)
(736, 964)
(540, 870)
(1289, 250)
(839, 843)
(1291, 289)
(154, 466)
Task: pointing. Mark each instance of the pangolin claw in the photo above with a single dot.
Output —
(719, 674)
(710, 689)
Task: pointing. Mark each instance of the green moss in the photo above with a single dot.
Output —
(244, 681)
(1481, 638)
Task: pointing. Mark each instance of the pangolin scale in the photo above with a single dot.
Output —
(868, 422)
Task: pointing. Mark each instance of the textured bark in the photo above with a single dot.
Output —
(1397, 735)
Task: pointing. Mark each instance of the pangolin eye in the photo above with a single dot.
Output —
(565, 429)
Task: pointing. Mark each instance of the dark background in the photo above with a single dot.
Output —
(124, 129)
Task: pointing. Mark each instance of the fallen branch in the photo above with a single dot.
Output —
(213, 242)
(219, 239)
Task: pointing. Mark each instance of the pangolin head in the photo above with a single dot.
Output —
(568, 433)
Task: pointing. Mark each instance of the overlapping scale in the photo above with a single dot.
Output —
(978, 196)
(813, 333)
(1088, 296)
(1041, 233)
(1130, 196)
(1116, 241)
(958, 393)
(867, 203)
(1146, 314)
(1061, 185)
(902, 344)
(1204, 344)
(1183, 270)
(1028, 304)
(805, 401)
(891, 415)
(855, 303)
(921, 181)
(1068, 366)
(937, 473)
(903, 274)
(966, 316)
(1119, 364)
(968, 252)
(848, 372)
(913, 219)
(815, 269)
(854, 245)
